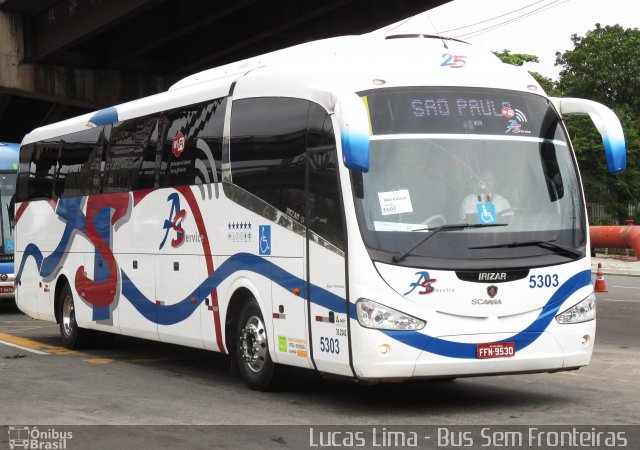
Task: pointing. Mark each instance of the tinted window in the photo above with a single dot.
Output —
(268, 143)
(127, 147)
(325, 211)
(192, 147)
(148, 173)
(39, 169)
(79, 163)
(26, 154)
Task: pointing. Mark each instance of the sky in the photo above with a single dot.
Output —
(536, 27)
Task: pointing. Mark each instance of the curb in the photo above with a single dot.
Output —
(611, 271)
(612, 266)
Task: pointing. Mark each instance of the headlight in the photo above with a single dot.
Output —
(375, 315)
(582, 312)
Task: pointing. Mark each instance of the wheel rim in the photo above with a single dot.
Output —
(253, 344)
(68, 316)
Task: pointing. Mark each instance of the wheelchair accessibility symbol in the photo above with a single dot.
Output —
(265, 240)
(487, 213)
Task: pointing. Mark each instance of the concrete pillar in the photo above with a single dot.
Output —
(66, 85)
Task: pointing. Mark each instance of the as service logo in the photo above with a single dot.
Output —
(174, 222)
(424, 281)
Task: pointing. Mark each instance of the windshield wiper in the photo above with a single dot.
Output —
(551, 245)
(449, 227)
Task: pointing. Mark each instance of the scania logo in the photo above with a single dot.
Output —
(492, 276)
(3, 277)
(492, 291)
(486, 301)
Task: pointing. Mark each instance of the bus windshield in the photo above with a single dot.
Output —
(7, 191)
(441, 157)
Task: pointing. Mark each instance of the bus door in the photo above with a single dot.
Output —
(326, 263)
(179, 320)
(288, 308)
(140, 270)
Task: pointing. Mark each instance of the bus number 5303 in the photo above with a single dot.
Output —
(329, 345)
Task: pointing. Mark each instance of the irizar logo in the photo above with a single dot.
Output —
(492, 276)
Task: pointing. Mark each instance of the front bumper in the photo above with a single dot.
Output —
(560, 347)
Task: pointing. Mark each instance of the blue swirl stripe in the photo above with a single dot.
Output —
(30, 251)
(69, 210)
(175, 313)
(172, 314)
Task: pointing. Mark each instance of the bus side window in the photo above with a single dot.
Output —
(127, 145)
(325, 209)
(267, 151)
(77, 175)
(192, 147)
(42, 170)
(147, 175)
(26, 156)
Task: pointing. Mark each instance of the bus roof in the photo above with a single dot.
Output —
(319, 69)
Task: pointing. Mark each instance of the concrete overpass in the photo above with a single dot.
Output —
(61, 58)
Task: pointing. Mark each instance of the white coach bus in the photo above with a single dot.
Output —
(376, 207)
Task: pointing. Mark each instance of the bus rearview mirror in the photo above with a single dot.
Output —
(607, 124)
(354, 131)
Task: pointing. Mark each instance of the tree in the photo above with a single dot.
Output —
(515, 59)
(605, 66)
(518, 59)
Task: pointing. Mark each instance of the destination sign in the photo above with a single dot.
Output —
(464, 110)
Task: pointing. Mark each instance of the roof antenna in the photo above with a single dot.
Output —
(437, 33)
(401, 23)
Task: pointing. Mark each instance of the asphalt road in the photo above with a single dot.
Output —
(135, 383)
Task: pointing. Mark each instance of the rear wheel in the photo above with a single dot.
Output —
(72, 335)
(252, 351)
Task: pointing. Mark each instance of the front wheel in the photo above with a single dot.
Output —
(252, 351)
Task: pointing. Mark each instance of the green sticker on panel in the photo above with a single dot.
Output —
(282, 344)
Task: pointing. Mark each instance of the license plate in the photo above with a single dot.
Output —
(6, 289)
(496, 350)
